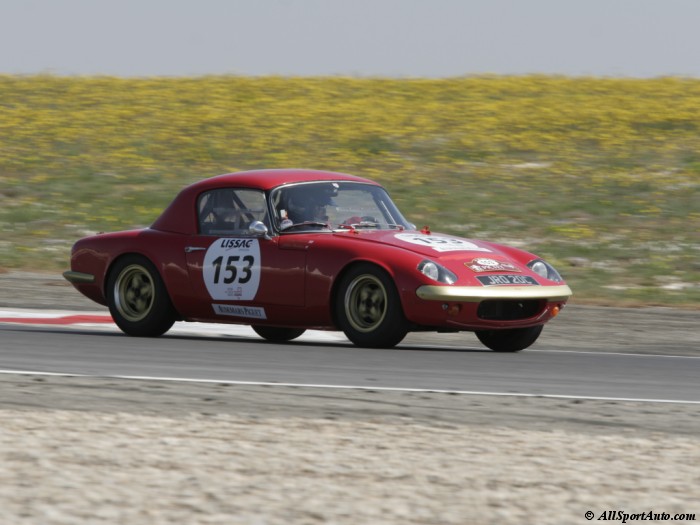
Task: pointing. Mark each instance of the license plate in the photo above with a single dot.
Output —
(501, 280)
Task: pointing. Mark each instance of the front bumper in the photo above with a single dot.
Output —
(475, 294)
(484, 308)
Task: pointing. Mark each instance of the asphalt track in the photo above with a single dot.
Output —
(587, 352)
(330, 362)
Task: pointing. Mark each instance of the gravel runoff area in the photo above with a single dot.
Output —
(76, 450)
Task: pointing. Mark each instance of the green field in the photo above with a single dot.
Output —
(600, 176)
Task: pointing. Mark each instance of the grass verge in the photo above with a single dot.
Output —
(601, 176)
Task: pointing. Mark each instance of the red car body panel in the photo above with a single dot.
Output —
(299, 272)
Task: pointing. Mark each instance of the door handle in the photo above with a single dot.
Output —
(190, 249)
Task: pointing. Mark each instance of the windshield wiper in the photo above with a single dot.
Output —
(305, 223)
(369, 224)
(365, 224)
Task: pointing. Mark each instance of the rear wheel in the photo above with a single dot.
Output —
(276, 334)
(510, 340)
(137, 298)
(368, 308)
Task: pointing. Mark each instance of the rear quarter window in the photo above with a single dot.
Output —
(230, 211)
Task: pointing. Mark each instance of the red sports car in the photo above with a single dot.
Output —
(289, 250)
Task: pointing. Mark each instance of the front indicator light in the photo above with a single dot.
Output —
(452, 309)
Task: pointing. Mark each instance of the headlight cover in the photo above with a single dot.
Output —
(544, 269)
(436, 272)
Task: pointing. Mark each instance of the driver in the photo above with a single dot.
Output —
(308, 204)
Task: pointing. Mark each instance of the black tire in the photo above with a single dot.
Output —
(276, 334)
(368, 308)
(510, 340)
(137, 298)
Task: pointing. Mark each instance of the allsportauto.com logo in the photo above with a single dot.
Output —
(624, 517)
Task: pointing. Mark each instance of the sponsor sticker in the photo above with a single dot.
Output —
(232, 269)
(507, 280)
(235, 310)
(482, 264)
(440, 243)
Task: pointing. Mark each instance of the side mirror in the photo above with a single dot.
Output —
(258, 229)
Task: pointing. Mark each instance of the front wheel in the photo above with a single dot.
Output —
(276, 334)
(138, 300)
(368, 308)
(510, 340)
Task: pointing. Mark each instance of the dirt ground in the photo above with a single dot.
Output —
(98, 451)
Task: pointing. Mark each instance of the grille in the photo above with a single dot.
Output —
(509, 309)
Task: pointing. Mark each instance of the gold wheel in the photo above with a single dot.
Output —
(365, 303)
(134, 293)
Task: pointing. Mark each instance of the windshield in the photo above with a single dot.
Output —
(334, 205)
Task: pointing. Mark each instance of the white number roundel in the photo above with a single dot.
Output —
(232, 269)
(441, 243)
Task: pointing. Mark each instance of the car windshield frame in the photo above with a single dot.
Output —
(348, 205)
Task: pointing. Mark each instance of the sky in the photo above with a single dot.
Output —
(379, 38)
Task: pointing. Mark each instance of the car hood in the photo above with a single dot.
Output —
(433, 245)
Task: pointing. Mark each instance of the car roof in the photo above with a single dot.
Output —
(181, 215)
(268, 179)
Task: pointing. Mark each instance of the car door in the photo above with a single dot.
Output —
(234, 274)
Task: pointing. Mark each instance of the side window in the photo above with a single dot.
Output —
(230, 211)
